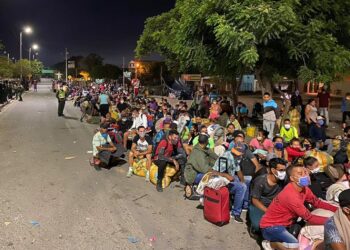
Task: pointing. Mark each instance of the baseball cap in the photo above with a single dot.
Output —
(344, 198)
(238, 149)
(167, 120)
(238, 133)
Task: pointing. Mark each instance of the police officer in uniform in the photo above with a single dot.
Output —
(61, 95)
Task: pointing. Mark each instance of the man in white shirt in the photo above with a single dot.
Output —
(139, 119)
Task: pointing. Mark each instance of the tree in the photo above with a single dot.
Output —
(6, 68)
(91, 61)
(229, 38)
(26, 68)
(36, 68)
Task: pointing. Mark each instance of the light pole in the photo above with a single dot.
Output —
(66, 66)
(27, 30)
(35, 47)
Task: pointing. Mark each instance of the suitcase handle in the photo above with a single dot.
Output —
(211, 199)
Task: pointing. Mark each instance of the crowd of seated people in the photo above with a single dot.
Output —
(279, 180)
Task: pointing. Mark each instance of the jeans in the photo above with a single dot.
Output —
(324, 112)
(280, 234)
(246, 201)
(270, 127)
(255, 215)
(198, 179)
(239, 190)
(61, 104)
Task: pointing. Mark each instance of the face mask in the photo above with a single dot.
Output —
(124, 119)
(279, 145)
(281, 175)
(315, 171)
(259, 138)
(142, 134)
(287, 126)
(174, 142)
(304, 181)
(307, 146)
(348, 170)
(320, 122)
(104, 135)
(121, 102)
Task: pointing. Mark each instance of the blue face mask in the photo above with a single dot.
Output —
(320, 122)
(304, 181)
(279, 145)
(104, 135)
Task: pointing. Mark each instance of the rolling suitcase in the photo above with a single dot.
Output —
(217, 206)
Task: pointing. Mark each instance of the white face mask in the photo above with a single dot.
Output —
(281, 175)
(259, 138)
(287, 126)
(315, 171)
(348, 170)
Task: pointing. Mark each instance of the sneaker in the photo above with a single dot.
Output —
(147, 176)
(159, 187)
(266, 245)
(244, 209)
(129, 174)
(237, 219)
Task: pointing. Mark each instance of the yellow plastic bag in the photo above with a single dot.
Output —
(251, 131)
(169, 172)
(139, 167)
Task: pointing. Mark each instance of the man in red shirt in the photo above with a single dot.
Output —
(324, 103)
(169, 151)
(287, 207)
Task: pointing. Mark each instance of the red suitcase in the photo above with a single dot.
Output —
(217, 206)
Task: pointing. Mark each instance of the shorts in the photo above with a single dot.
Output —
(280, 234)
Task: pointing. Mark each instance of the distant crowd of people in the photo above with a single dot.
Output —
(289, 179)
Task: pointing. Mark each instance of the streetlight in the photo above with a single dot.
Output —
(34, 47)
(26, 30)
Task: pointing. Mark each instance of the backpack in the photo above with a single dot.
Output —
(157, 139)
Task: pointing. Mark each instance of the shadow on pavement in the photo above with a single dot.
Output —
(71, 118)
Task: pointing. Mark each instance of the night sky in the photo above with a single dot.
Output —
(106, 27)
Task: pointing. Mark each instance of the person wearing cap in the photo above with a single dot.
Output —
(317, 132)
(287, 207)
(161, 134)
(102, 147)
(237, 185)
(265, 188)
(61, 95)
(337, 228)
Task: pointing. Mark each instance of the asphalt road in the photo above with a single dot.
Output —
(49, 202)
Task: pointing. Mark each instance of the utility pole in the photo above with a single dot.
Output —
(123, 72)
(66, 65)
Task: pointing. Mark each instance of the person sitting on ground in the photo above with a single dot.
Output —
(139, 119)
(288, 132)
(169, 151)
(103, 148)
(261, 141)
(319, 180)
(161, 134)
(295, 150)
(122, 105)
(287, 206)
(141, 147)
(204, 130)
(200, 161)
(193, 133)
(337, 228)
(317, 133)
(265, 188)
(278, 150)
(163, 112)
(324, 159)
(234, 121)
(108, 119)
(230, 129)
